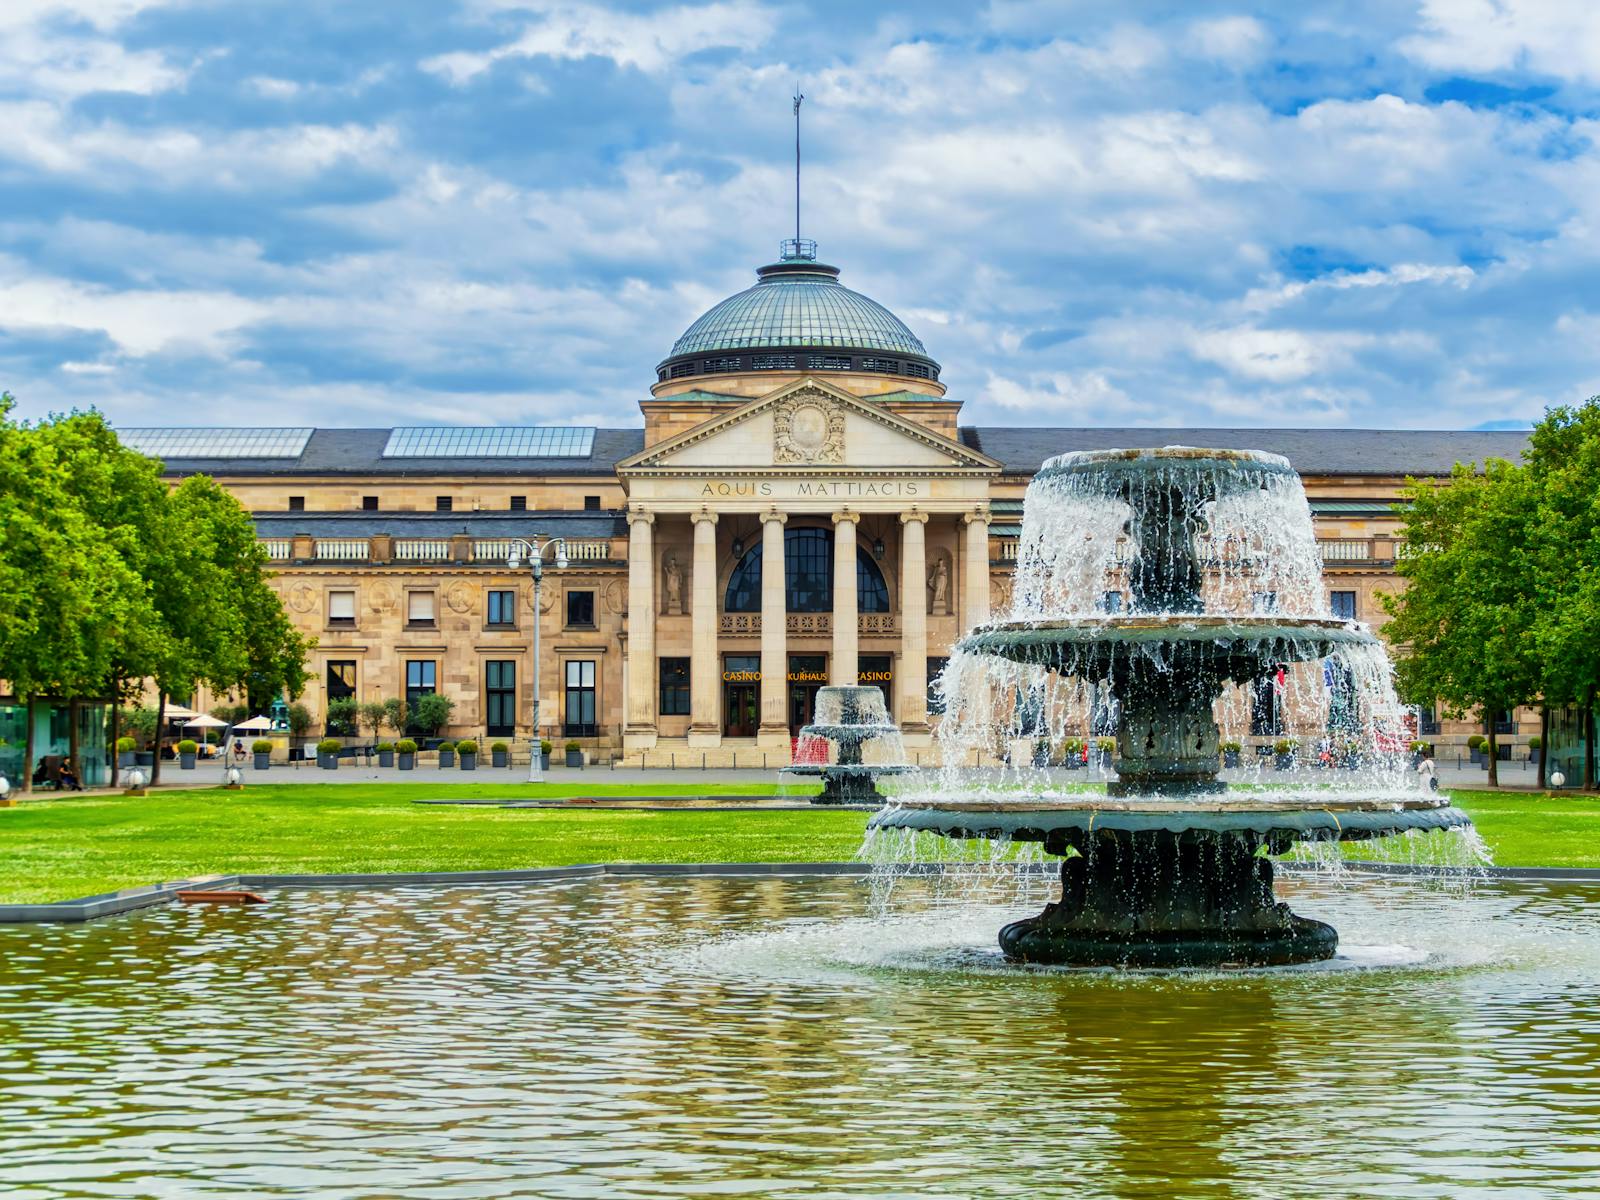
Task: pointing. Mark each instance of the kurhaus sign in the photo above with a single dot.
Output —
(799, 488)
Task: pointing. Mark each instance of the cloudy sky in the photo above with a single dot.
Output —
(1370, 213)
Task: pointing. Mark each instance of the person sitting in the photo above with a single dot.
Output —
(67, 778)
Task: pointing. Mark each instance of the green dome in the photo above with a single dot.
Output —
(798, 302)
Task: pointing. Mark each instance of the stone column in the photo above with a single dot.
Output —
(844, 667)
(977, 572)
(912, 677)
(774, 728)
(639, 725)
(704, 728)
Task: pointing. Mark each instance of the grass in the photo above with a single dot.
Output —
(58, 849)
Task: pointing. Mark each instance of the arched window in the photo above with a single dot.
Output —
(808, 571)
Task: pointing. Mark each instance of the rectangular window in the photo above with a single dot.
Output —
(1428, 721)
(829, 362)
(674, 687)
(580, 710)
(519, 504)
(341, 680)
(500, 689)
(591, 504)
(419, 608)
(773, 362)
(1110, 602)
(936, 668)
(442, 504)
(580, 610)
(297, 504)
(369, 504)
(1263, 602)
(421, 680)
(1343, 604)
(501, 609)
(713, 366)
(342, 609)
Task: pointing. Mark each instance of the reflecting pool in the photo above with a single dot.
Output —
(774, 1037)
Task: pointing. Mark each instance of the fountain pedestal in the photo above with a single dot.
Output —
(1154, 898)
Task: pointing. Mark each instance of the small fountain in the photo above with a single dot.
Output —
(1215, 552)
(849, 718)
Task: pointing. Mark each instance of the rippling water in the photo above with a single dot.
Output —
(769, 1037)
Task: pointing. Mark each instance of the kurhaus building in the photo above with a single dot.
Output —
(802, 506)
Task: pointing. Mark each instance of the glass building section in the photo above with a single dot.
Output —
(808, 570)
(490, 441)
(217, 442)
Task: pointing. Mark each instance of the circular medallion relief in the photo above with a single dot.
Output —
(808, 428)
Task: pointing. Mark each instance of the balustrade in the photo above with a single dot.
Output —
(343, 549)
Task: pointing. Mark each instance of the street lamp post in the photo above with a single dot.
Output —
(534, 552)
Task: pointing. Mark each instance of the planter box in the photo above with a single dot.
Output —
(408, 762)
(1534, 756)
(125, 758)
(544, 761)
(447, 758)
(1072, 762)
(328, 762)
(263, 760)
(1230, 758)
(469, 762)
(185, 762)
(575, 758)
(144, 758)
(500, 758)
(1475, 757)
(386, 758)
(1283, 762)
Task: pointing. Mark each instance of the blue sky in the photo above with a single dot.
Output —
(484, 211)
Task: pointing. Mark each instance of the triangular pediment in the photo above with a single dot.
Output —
(807, 426)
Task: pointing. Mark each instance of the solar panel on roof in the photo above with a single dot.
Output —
(217, 442)
(490, 441)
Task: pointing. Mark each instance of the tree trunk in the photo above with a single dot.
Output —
(1544, 744)
(27, 745)
(1586, 729)
(72, 739)
(1494, 759)
(161, 724)
(116, 730)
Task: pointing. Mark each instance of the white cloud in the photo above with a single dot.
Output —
(1551, 37)
(1236, 40)
(139, 322)
(1274, 355)
(650, 42)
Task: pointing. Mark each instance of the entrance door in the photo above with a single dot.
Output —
(741, 695)
(877, 670)
(807, 673)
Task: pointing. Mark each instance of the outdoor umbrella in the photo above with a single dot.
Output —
(205, 722)
(254, 723)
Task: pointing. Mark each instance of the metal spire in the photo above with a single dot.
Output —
(798, 97)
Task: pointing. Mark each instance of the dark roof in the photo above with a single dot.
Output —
(360, 452)
(441, 525)
(1309, 451)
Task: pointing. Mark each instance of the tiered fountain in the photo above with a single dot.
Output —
(850, 718)
(1169, 867)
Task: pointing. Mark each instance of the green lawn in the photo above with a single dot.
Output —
(59, 849)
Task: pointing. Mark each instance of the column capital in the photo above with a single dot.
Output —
(705, 514)
(844, 516)
(912, 516)
(773, 514)
(639, 514)
(978, 516)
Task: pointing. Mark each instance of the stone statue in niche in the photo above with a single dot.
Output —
(673, 591)
(939, 588)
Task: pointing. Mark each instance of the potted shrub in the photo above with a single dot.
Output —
(1072, 753)
(1475, 745)
(468, 750)
(1283, 753)
(545, 747)
(386, 754)
(186, 749)
(1535, 748)
(447, 754)
(1107, 747)
(1350, 755)
(500, 753)
(125, 748)
(407, 750)
(574, 754)
(262, 749)
(1041, 752)
(1230, 754)
(328, 753)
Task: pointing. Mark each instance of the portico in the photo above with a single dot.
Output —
(827, 538)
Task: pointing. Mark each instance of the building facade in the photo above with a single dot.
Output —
(802, 506)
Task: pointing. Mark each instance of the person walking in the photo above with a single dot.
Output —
(1427, 773)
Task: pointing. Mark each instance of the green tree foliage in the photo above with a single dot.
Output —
(1466, 622)
(431, 713)
(343, 717)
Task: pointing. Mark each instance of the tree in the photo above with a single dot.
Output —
(1564, 461)
(375, 715)
(343, 717)
(1465, 624)
(431, 713)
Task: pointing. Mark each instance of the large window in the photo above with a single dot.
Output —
(580, 718)
(580, 610)
(341, 680)
(421, 679)
(674, 687)
(1343, 605)
(501, 608)
(808, 572)
(500, 689)
(1266, 710)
